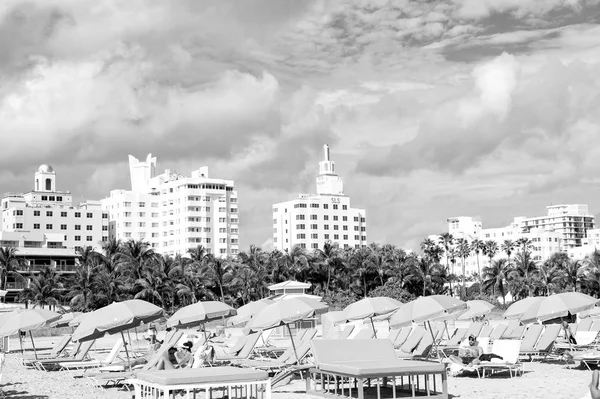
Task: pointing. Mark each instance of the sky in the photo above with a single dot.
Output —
(432, 109)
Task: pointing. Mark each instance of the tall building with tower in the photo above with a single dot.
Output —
(174, 213)
(311, 220)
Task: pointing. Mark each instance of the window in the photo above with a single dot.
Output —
(325, 206)
(127, 204)
(77, 238)
(105, 216)
(142, 204)
(89, 215)
(335, 217)
(88, 238)
(104, 228)
(36, 213)
(344, 227)
(314, 205)
(345, 218)
(336, 237)
(326, 236)
(326, 217)
(301, 236)
(356, 218)
(313, 217)
(17, 225)
(314, 226)
(63, 214)
(335, 206)
(48, 213)
(345, 237)
(362, 220)
(59, 199)
(345, 207)
(300, 226)
(299, 217)
(326, 227)
(44, 198)
(222, 209)
(314, 236)
(142, 224)
(77, 227)
(51, 198)
(364, 238)
(363, 228)
(335, 226)
(142, 214)
(77, 214)
(36, 226)
(63, 226)
(356, 228)
(314, 245)
(88, 227)
(48, 227)
(19, 212)
(302, 245)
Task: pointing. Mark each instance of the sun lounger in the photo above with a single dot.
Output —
(498, 331)
(243, 353)
(530, 338)
(365, 333)
(286, 360)
(511, 325)
(457, 337)
(509, 351)
(516, 333)
(393, 335)
(412, 342)
(402, 337)
(486, 331)
(52, 364)
(110, 358)
(585, 324)
(545, 343)
(232, 382)
(341, 366)
(57, 351)
(345, 333)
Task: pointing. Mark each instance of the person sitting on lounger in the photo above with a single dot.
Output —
(169, 360)
(568, 333)
(468, 355)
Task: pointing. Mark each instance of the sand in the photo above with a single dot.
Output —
(540, 380)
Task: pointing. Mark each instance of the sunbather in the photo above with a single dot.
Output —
(594, 389)
(568, 333)
(468, 355)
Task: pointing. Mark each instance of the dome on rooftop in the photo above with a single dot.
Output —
(45, 169)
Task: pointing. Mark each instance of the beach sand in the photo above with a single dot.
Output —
(541, 380)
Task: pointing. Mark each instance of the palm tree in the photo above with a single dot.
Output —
(82, 288)
(464, 251)
(446, 240)
(508, 246)
(523, 273)
(44, 289)
(425, 270)
(362, 267)
(495, 276)
(476, 247)
(547, 278)
(327, 256)
(215, 269)
(9, 264)
(490, 249)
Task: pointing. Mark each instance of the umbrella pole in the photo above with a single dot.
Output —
(434, 345)
(21, 342)
(373, 326)
(33, 344)
(129, 338)
(126, 351)
(293, 343)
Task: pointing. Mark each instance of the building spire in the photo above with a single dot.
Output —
(326, 151)
(328, 182)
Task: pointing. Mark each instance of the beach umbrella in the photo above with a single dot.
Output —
(246, 312)
(199, 313)
(116, 318)
(557, 305)
(368, 308)
(65, 319)
(26, 320)
(517, 309)
(426, 309)
(594, 312)
(283, 313)
(476, 308)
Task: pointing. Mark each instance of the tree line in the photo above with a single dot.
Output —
(132, 269)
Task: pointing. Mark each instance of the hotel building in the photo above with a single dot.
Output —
(47, 229)
(174, 213)
(313, 219)
(565, 228)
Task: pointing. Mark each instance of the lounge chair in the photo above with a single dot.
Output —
(585, 324)
(498, 331)
(545, 343)
(52, 364)
(511, 325)
(345, 333)
(229, 380)
(486, 331)
(530, 338)
(110, 358)
(412, 342)
(243, 353)
(516, 333)
(393, 334)
(595, 326)
(365, 333)
(286, 360)
(456, 338)
(402, 337)
(509, 351)
(341, 366)
(57, 350)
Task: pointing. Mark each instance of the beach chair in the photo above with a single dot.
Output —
(393, 334)
(486, 331)
(585, 324)
(595, 326)
(52, 364)
(344, 366)
(365, 333)
(545, 343)
(243, 353)
(498, 331)
(509, 351)
(57, 350)
(345, 333)
(530, 338)
(511, 325)
(516, 333)
(412, 342)
(456, 338)
(110, 358)
(286, 360)
(457, 368)
(402, 337)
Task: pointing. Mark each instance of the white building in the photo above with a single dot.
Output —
(313, 219)
(174, 213)
(47, 218)
(565, 228)
(47, 229)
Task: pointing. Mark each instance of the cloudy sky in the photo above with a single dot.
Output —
(433, 109)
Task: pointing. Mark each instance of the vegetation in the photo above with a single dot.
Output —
(124, 270)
